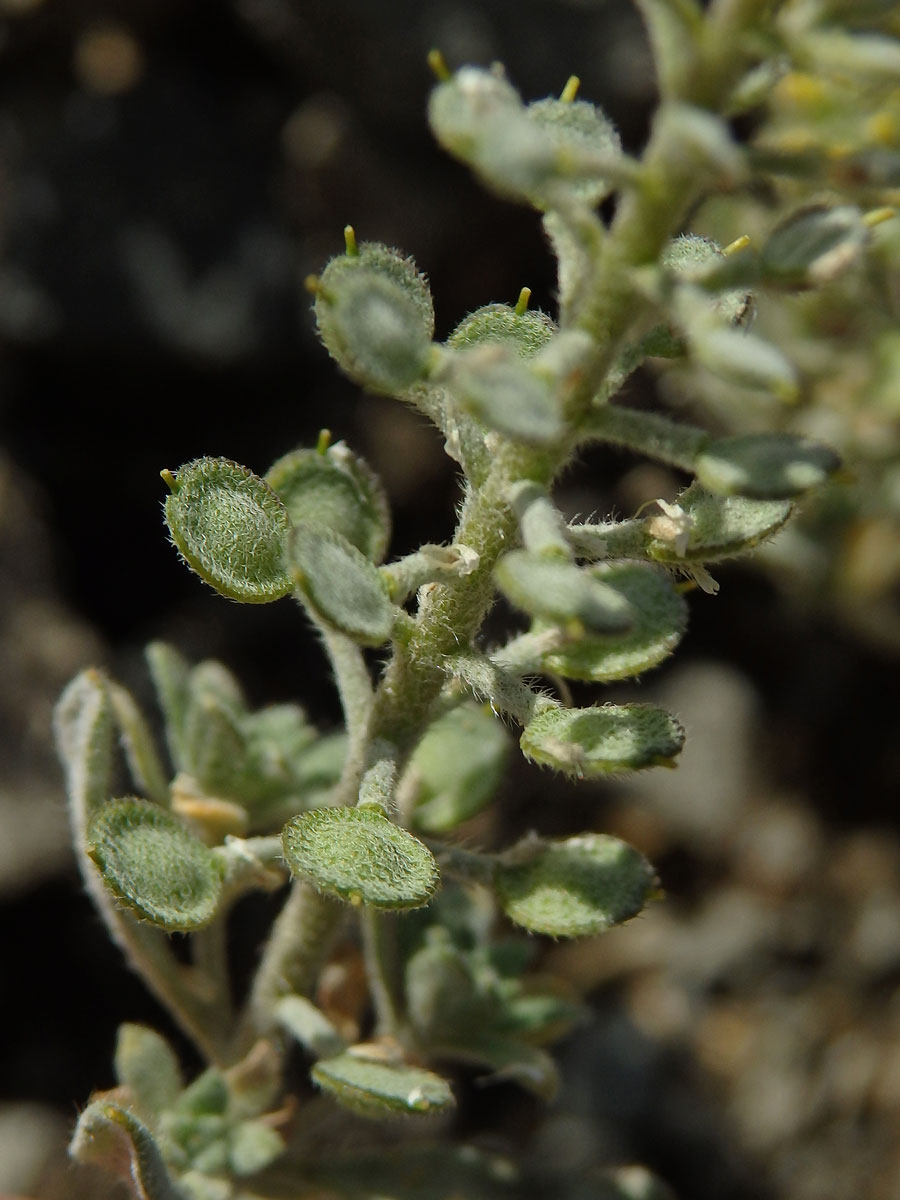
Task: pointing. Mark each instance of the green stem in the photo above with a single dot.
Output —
(300, 939)
(379, 938)
(649, 434)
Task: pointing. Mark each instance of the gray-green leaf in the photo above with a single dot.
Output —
(341, 585)
(574, 888)
(336, 490)
(379, 1089)
(660, 619)
(154, 865)
(765, 466)
(604, 740)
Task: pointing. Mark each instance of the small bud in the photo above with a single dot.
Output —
(698, 137)
(659, 616)
(148, 1067)
(309, 1025)
(492, 384)
(561, 591)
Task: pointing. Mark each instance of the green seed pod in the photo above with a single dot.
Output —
(690, 254)
(374, 1088)
(765, 466)
(493, 384)
(659, 620)
(562, 591)
(341, 585)
(230, 528)
(605, 740)
(576, 125)
(575, 888)
(463, 107)
(360, 856)
(153, 865)
(336, 490)
(375, 316)
(526, 332)
(813, 246)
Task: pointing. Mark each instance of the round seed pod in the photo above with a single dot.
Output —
(375, 316)
(337, 490)
(526, 332)
(230, 528)
(581, 126)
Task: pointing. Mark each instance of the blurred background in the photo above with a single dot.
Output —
(170, 171)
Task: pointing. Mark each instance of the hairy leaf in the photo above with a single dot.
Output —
(230, 528)
(338, 491)
(154, 865)
(361, 856)
(603, 740)
(576, 887)
(378, 1089)
(341, 585)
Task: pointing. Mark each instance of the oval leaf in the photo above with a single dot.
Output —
(660, 619)
(359, 855)
(562, 591)
(154, 865)
(577, 887)
(147, 1066)
(765, 466)
(494, 385)
(719, 526)
(230, 528)
(375, 316)
(603, 740)
(378, 1089)
(459, 764)
(113, 1137)
(84, 729)
(813, 245)
(341, 585)
(338, 491)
